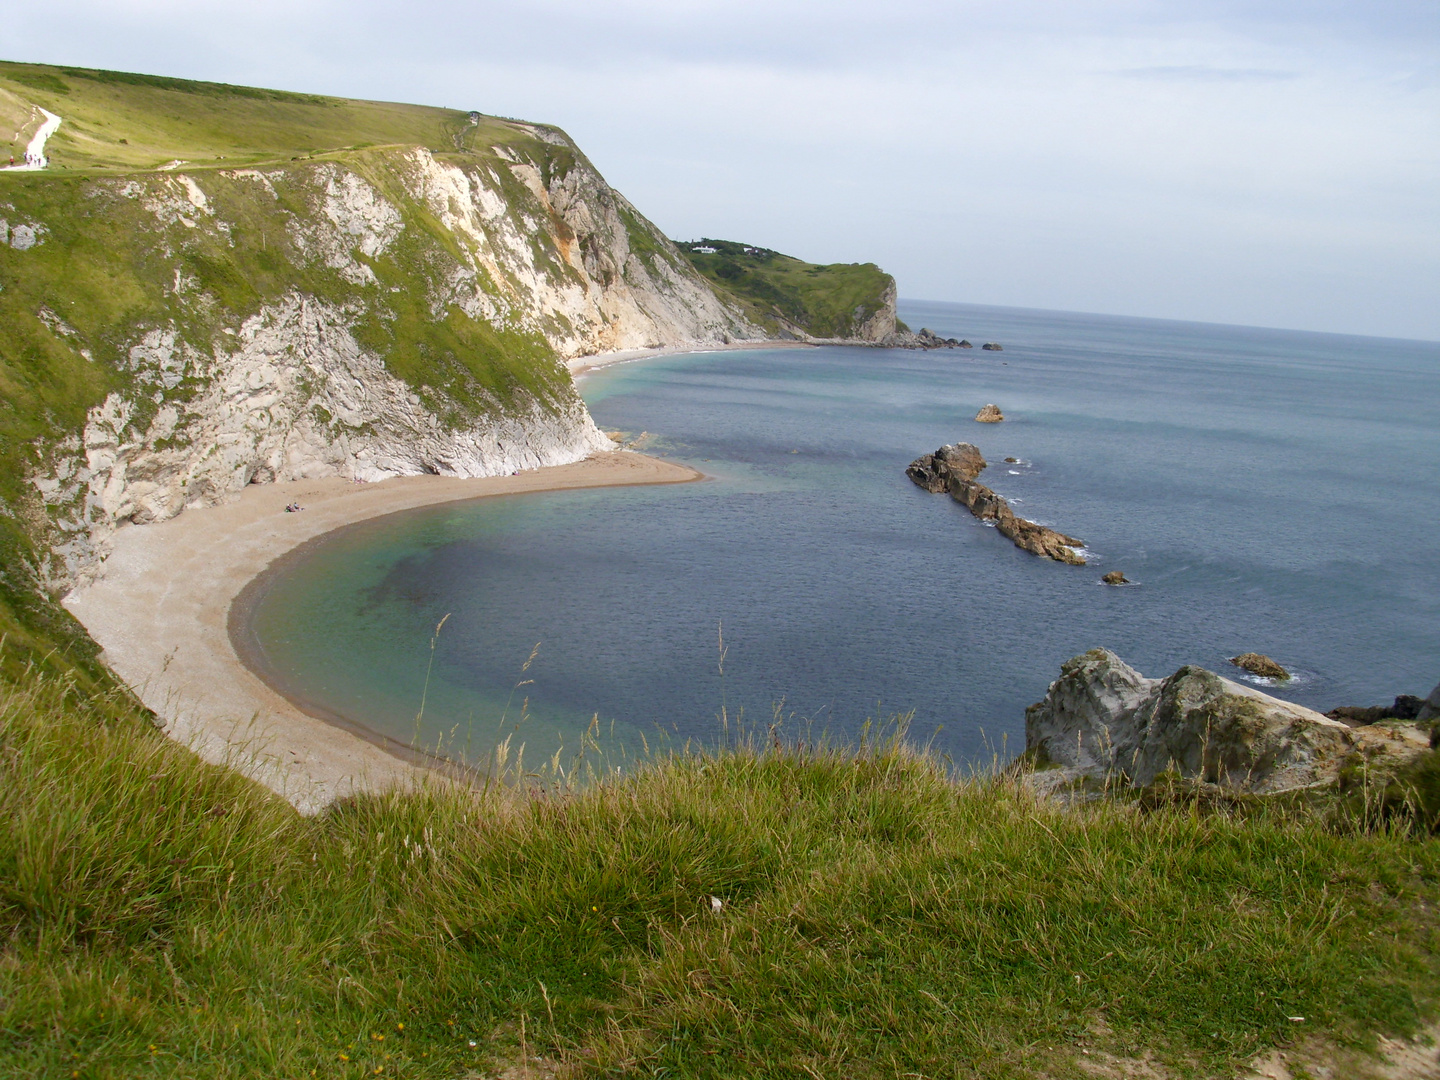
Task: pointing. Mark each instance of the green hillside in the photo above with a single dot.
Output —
(117, 121)
(877, 919)
(784, 294)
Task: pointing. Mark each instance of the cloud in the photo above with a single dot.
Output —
(1258, 161)
(1203, 73)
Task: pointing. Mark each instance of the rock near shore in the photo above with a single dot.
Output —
(990, 414)
(1261, 665)
(1103, 723)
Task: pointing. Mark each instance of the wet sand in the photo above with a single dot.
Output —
(162, 608)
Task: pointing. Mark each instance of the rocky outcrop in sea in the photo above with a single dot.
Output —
(1260, 665)
(953, 469)
(924, 339)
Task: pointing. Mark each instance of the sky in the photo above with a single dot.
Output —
(1261, 162)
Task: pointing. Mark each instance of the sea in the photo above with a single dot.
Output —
(1264, 490)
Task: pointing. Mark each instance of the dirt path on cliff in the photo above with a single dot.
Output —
(35, 151)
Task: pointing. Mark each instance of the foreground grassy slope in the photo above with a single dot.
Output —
(784, 294)
(163, 918)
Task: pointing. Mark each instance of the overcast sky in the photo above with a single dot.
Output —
(1266, 162)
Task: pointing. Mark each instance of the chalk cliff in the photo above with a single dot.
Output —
(384, 312)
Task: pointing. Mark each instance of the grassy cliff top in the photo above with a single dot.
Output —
(871, 918)
(117, 121)
(780, 292)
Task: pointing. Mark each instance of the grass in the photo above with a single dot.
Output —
(119, 121)
(162, 917)
(778, 291)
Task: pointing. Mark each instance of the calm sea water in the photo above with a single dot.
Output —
(1268, 490)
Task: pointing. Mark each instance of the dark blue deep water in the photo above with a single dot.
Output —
(1269, 491)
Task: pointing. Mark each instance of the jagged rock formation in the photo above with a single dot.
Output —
(990, 414)
(1102, 722)
(1115, 577)
(1260, 665)
(953, 469)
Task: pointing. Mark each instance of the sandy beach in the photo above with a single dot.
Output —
(161, 611)
(581, 365)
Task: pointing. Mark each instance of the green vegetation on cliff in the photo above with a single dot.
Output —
(166, 918)
(786, 295)
(102, 248)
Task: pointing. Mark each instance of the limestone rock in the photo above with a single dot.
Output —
(1102, 721)
(1115, 577)
(990, 414)
(1259, 664)
(1431, 708)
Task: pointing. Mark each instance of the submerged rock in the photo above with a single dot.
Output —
(1115, 577)
(990, 414)
(1259, 664)
(1103, 722)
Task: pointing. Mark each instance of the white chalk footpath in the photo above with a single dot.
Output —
(35, 158)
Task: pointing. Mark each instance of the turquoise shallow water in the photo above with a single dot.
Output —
(1269, 491)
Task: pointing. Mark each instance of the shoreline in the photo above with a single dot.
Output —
(162, 613)
(584, 365)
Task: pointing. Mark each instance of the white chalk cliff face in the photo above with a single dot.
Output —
(565, 266)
